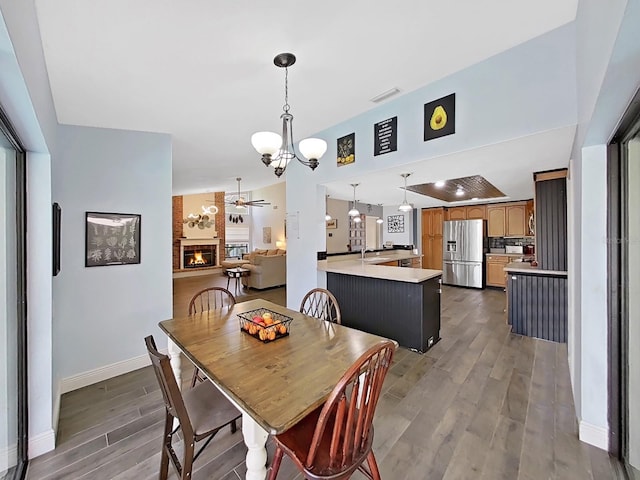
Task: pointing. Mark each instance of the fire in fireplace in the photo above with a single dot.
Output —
(196, 256)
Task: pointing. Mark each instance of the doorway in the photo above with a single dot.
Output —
(13, 370)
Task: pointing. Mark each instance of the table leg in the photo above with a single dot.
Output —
(228, 279)
(174, 356)
(255, 438)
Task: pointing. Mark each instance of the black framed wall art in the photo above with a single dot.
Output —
(395, 224)
(440, 117)
(346, 149)
(112, 239)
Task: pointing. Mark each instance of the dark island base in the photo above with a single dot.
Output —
(538, 306)
(408, 313)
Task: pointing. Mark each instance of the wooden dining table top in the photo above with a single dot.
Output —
(276, 383)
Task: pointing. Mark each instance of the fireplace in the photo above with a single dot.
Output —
(198, 253)
(196, 256)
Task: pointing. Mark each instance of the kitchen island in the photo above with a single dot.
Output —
(394, 302)
(537, 301)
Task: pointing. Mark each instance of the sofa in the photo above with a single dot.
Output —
(268, 268)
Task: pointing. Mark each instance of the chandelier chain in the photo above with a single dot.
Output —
(286, 106)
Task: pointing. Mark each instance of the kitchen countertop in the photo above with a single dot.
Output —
(507, 255)
(355, 266)
(524, 267)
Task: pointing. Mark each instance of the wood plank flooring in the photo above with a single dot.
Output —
(481, 404)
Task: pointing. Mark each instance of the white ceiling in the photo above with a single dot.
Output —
(202, 71)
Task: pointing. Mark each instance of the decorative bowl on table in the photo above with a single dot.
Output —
(264, 324)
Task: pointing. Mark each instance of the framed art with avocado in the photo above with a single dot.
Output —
(440, 117)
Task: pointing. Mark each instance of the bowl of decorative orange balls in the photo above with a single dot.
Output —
(264, 324)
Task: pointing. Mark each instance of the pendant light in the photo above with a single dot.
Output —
(327, 217)
(405, 206)
(354, 212)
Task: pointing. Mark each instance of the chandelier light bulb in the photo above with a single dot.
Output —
(379, 220)
(357, 219)
(439, 183)
(312, 148)
(327, 217)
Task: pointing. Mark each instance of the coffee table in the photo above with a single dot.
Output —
(236, 274)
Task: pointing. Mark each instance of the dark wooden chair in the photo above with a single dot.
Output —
(321, 303)
(212, 298)
(335, 439)
(201, 412)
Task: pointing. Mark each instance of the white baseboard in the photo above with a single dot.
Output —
(56, 408)
(8, 457)
(42, 443)
(594, 435)
(103, 373)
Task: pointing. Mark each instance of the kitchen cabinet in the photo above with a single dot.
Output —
(515, 221)
(495, 270)
(457, 213)
(507, 220)
(476, 212)
(432, 220)
(495, 221)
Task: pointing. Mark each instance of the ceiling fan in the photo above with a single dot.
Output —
(240, 202)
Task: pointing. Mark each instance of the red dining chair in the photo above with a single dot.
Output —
(212, 298)
(322, 304)
(335, 439)
(201, 413)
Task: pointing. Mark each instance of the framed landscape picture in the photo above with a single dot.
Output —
(111, 239)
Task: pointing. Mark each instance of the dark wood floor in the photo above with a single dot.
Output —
(481, 404)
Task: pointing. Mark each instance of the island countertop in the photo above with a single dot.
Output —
(368, 268)
(524, 267)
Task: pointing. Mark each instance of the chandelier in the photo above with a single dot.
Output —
(277, 151)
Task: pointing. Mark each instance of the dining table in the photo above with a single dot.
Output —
(274, 384)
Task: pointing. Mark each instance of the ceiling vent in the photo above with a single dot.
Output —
(384, 95)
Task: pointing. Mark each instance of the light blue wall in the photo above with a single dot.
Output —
(528, 89)
(26, 99)
(608, 66)
(102, 314)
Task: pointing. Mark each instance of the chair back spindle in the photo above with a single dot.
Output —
(321, 303)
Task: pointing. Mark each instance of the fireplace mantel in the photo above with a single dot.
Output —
(187, 242)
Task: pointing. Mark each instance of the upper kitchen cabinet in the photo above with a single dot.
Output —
(507, 220)
(476, 212)
(551, 220)
(456, 213)
(515, 223)
(496, 221)
(470, 212)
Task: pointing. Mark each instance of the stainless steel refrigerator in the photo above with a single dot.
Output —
(463, 249)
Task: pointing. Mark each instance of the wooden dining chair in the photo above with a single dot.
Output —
(200, 411)
(212, 298)
(335, 439)
(321, 303)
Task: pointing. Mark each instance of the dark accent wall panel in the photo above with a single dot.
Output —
(538, 306)
(551, 222)
(406, 312)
